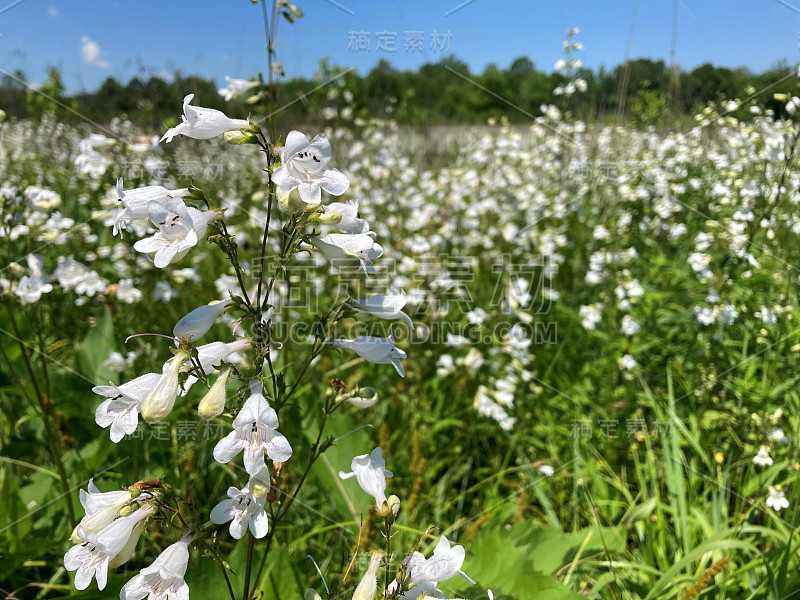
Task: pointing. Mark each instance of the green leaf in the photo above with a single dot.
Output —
(94, 349)
(279, 579)
(346, 497)
(14, 523)
(551, 548)
(502, 561)
(638, 512)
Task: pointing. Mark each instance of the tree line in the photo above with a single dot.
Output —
(644, 91)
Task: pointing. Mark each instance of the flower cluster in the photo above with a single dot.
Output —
(569, 66)
(417, 576)
(107, 537)
(114, 521)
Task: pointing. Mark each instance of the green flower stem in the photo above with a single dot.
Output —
(246, 593)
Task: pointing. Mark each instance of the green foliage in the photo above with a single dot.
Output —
(94, 349)
(648, 107)
(525, 561)
(49, 97)
(643, 513)
(434, 94)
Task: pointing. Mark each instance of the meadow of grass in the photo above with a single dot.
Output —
(600, 393)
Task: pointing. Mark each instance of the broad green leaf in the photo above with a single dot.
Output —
(94, 349)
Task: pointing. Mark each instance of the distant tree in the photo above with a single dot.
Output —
(382, 84)
(639, 74)
(708, 83)
(13, 89)
(444, 92)
(49, 97)
(520, 67)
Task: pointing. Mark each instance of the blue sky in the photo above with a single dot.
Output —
(93, 39)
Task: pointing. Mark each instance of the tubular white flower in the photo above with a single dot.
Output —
(777, 435)
(777, 500)
(245, 508)
(762, 458)
(120, 410)
(129, 548)
(162, 580)
(160, 401)
(254, 430)
(304, 166)
(386, 307)
(179, 229)
(203, 123)
(101, 509)
(92, 556)
(235, 87)
(89, 161)
(378, 350)
(445, 563)
(341, 248)
(30, 288)
(136, 201)
(211, 355)
(546, 470)
(36, 265)
(370, 472)
(196, 324)
(350, 222)
(213, 403)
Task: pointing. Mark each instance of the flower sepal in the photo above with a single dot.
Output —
(240, 137)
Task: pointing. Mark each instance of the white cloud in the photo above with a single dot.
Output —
(90, 53)
(53, 12)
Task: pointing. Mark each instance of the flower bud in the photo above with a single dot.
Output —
(214, 214)
(363, 397)
(240, 137)
(255, 98)
(311, 595)
(213, 403)
(290, 202)
(260, 488)
(196, 324)
(101, 518)
(2, 116)
(128, 509)
(333, 217)
(368, 587)
(394, 504)
(195, 193)
(160, 401)
(296, 13)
